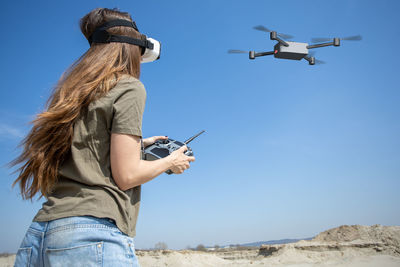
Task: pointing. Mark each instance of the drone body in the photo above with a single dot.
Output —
(294, 50)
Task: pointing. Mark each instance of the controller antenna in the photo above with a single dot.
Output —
(192, 138)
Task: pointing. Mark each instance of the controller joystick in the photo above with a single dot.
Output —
(166, 141)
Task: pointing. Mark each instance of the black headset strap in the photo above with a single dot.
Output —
(100, 35)
(118, 22)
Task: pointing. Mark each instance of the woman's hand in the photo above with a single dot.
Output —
(179, 161)
(151, 140)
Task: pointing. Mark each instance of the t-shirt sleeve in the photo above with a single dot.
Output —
(128, 110)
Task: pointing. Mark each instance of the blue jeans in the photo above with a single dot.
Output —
(76, 241)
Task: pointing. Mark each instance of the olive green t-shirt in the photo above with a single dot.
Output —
(85, 184)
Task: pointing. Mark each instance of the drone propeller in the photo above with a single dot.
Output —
(352, 38)
(265, 29)
(349, 38)
(262, 28)
(235, 51)
(319, 62)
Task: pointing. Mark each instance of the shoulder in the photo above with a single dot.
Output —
(127, 86)
(128, 83)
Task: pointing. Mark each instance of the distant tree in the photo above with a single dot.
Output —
(216, 247)
(201, 247)
(160, 246)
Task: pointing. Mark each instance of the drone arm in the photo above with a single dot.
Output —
(253, 54)
(311, 60)
(319, 45)
(274, 36)
(336, 42)
(261, 54)
(281, 41)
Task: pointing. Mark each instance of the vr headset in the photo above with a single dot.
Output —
(151, 48)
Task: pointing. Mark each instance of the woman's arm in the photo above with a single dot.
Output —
(128, 170)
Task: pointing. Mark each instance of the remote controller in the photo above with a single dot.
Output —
(163, 148)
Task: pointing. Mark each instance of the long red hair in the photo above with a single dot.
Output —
(94, 74)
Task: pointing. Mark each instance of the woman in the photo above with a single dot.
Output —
(84, 153)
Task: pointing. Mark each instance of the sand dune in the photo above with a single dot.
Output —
(359, 246)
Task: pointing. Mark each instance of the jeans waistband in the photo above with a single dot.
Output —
(50, 225)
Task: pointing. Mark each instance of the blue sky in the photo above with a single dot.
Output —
(290, 149)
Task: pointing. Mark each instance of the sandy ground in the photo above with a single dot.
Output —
(194, 259)
(198, 259)
(358, 246)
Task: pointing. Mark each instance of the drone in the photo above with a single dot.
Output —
(294, 50)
